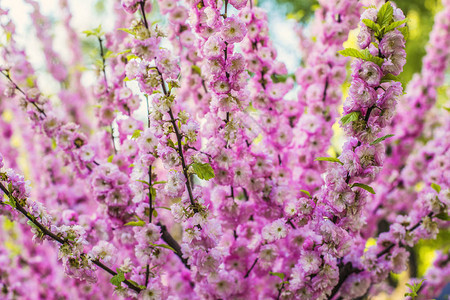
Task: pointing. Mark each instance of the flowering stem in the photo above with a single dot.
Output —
(102, 54)
(150, 198)
(165, 235)
(23, 93)
(26, 214)
(150, 203)
(141, 4)
(347, 269)
(251, 268)
(325, 90)
(344, 272)
(279, 291)
(128, 283)
(112, 139)
(47, 232)
(387, 249)
(183, 162)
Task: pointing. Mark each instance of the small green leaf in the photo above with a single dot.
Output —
(95, 32)
(353, 116)
(33, 225)
(369, 57)
(140, 222)
(351, 52)
(126, 30)
(306, 192)
(135, 223)
(203, 170)
(153, 192)
(385, 14)
(155, 213)
(414, 289)
(136, 134)
(378, 140)
(281, 77)
(389, 77)
(332, 159)
(394, 25)
(118, 278)
(159, 182)
(278, 274)
(371, 24)
(110, 158)
(436, 187)
(163, 246)
(196, 69)
(131, 56)
(443, 216)
(404, 31)
(363, 54)
(364, 186)
(167, 208)
(143, 181)
(112, 54)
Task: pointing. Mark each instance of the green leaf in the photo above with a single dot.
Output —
(131, 56)
(140, 222)
(394, 25)
(95, 32)
(414, 289)
(378, 140)
(436, 187)
(112, 54)
(196, 69)
(443, 216)
(110, 158)
(353, 116)
(54, 145)
(281, 77)
(168, 208)
(351, 52)
(136, 134)
(369, 57)
(385, 14)
(135, 223)
(118, 279)
(153, 192)
(203, 170)
(33, 225)
(404, 31)
(364, 186)
(126, 30)
(155, 213)
(389, 77)
(363, 54)
(143, 181)
(159, 182)
(163, 246)
(306, 192)
(332, 159)
(371, 24)
(280, 275)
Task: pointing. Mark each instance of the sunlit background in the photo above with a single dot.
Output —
(284, 16)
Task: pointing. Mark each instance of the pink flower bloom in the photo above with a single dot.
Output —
(233, 30)
(392, 42)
